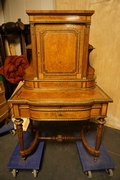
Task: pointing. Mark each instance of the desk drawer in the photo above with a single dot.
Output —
(60, 115)
(55, 114)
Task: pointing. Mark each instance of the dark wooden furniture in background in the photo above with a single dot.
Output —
(8, 86)
(9, 32)
(61, 84)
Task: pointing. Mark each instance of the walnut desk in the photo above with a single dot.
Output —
(60, 85)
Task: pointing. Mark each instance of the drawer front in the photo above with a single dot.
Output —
(58, 113)
(72, 115)
(59, 85)
(55, 114)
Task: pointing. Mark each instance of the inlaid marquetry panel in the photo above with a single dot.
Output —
(56, 51)
(60, 51)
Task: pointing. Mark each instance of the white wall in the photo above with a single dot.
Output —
(14, 9)
(105, 36)
(105, 58)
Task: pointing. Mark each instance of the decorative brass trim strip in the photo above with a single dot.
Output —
(59, 110)
(80, 109)
(61, 80)
(54, 103)
(81, 88)
(60, 22)
(61, 119)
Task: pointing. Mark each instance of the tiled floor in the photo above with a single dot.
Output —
(61, 160)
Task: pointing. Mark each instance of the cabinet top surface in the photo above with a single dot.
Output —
(62, 12)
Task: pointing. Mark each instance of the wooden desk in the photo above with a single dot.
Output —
(60, 85)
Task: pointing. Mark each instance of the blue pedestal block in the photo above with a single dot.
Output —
(32, 162)
(7, 127)
(104, 162)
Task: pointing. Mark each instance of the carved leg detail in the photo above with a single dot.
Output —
(18, 122)
(24, 152)
(99, 134)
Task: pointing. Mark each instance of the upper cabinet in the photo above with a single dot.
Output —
(60, 49)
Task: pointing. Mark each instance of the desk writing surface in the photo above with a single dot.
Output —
(60, 96)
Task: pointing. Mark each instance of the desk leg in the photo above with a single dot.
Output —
(99, 134)
(18, 122)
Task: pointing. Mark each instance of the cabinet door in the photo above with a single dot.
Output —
(60, 50)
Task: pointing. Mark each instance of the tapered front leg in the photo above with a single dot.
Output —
(18, 122)
(100, 128)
